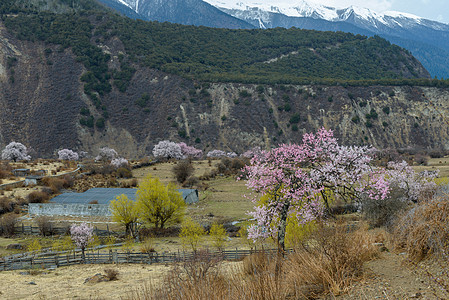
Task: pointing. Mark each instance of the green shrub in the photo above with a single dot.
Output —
(295, 119)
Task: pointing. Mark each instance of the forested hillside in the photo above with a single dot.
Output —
(74, 75)
(269, 56)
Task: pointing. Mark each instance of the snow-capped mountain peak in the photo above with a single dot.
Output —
(307, 9)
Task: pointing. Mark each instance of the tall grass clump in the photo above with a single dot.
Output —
(328, 263)
(424, 229)
(423, 232)
(332, 261)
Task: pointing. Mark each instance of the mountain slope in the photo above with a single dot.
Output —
(425, 38)
(89, 78)
(187, 12)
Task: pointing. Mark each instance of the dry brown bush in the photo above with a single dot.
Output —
(147, 245)
(111, 182)
(255, 263)
(38, 197)
(124, 173)
(385, 212)
(424, 229)
(6, 205)
(330, 264)
(8, 223)
(129, 183)
(191, 181)
(333, 262)
(111, 274)
(4, 174)
(183, 170)
(421, 159)
(68, 181)
(44, 225)
(56, 184)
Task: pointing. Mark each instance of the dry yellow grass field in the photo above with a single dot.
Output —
(68, 282)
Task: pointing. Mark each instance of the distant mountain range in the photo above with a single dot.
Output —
(189, 12)
(427, 40)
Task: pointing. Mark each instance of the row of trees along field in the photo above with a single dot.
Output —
(250, 56)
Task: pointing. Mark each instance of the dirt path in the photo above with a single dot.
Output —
(389, 277)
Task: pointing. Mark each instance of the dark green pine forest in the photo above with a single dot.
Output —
(272, 56)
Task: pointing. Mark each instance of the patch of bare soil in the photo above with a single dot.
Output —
(391, 277)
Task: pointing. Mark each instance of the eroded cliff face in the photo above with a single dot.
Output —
(41, 97)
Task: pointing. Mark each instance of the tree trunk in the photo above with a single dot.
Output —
(323, 194)
(282, 228)
(83, 257)
(127, 228)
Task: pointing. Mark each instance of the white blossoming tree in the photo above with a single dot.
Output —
(15, 151)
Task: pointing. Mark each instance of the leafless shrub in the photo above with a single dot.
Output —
(68, 181)
(129, 183)
(202, 264)
(424, 229)
(330, 266)
(111, 182)
(333, 263)
(8, 223)
(6, 205)
(44, 225)
(111, 274)
(182, 170)
(38, 197)
(56, 184)
(191, 181)
(255, 263)
(384, 212)
(147, 245)
(437, 153)
(421, 159)
(4, 174)
(124, 173)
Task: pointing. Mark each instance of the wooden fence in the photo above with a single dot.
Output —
(12, 185)
(21, 183)
(34, 230)
(58, 259)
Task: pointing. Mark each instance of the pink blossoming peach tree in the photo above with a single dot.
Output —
(81, 235)
(294, 180)
(189, 151)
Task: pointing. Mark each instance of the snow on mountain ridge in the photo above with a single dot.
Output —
(133, 4)
(124, 3)
(303, 8)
